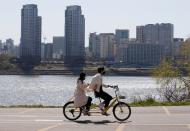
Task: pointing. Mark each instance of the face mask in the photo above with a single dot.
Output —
(83, 78)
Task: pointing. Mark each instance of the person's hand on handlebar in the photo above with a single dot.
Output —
(114, 87)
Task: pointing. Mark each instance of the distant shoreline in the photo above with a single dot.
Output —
(109, 72)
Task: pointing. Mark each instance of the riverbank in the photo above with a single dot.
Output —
(145, 103)
(76, 71)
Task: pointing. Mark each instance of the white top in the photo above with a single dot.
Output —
(80, 94)
(97, 82)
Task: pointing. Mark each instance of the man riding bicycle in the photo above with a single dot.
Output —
(96, 85)
(72, 110)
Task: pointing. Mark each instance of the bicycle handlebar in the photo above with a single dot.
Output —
(114, 87)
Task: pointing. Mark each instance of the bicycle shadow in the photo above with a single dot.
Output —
(101, 122)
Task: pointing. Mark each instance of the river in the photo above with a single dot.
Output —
(55, 90)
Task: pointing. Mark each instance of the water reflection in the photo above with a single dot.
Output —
(56, 90)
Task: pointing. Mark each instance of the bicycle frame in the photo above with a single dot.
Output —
(114, 100)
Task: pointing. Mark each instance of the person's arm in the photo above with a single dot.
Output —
(104, 85)
(88, 89)
(93, 84)
(85, 85)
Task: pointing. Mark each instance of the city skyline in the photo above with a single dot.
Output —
(127, 17)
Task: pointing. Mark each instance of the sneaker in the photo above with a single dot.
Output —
(101, 106)
(86, 113)
(105, 113)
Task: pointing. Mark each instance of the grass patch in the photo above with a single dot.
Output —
(136, 103)
(153, 102)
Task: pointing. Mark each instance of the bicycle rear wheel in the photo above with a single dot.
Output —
(122, 111)
(70, 112)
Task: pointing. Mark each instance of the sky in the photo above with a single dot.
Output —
(102, 16)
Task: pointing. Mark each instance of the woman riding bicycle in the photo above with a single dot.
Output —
(80, 98)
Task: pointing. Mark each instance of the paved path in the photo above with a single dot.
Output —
(142, 119)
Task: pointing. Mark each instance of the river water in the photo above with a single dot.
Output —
(57, 89)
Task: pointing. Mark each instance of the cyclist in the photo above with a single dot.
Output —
(80, 98)
(96, 85)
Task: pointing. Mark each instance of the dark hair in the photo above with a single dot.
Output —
(100, 69)
(82, 76)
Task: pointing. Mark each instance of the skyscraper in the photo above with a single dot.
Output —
(166, 33)
(107, 41)
(155, 33)
(121, 36)
(48, 51)
(151, 33)
(74, 35)
(30, 35)
(10, 47)
(94, 45)
(59, 47)
(140, 34)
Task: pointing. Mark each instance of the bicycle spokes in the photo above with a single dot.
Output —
(122, 111)
(72, 112)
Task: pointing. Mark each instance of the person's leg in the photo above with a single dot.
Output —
(88, 103)
(106, 97)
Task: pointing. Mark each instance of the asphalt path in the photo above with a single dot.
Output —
(51, 119)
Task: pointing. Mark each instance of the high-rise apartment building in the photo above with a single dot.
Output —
(94, 45)
(121, 36)
(141, 54)
(10, 46)
(74, 35)
(107, 41)
(176, 47)
(166, 33)
(30, 48)
(17, 51)
(140, 34)
(42, 51)
(48, 51)
(59, 48)
(155, 33)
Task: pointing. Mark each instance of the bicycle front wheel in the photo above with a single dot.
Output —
(122, 111)
(70, 112)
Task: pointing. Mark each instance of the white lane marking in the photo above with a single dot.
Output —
(50, 127)
(29, 116)
(166, 111)
(188, 126)
(157, 124)
(18, 116)
(120, 127)
(48, 120)
(16, 121)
